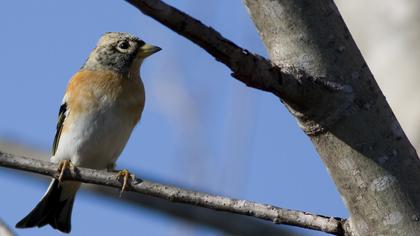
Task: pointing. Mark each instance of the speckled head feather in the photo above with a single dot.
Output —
(119, 52)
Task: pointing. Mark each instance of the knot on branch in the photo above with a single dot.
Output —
(255, 71)
(319, 102)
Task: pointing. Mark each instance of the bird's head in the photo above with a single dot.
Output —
(119, 52)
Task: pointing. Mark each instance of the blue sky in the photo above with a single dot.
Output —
(200, 128)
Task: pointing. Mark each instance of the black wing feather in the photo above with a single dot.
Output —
(61, 117)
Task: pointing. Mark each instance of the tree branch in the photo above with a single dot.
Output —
(299, 89)
(277, 215)
(224, 222)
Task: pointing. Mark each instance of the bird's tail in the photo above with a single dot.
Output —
(54, 208)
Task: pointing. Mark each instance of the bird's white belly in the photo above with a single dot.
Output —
(95, 139)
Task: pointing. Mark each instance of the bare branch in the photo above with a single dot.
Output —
(225, 222)
(228, 224)
(309, 96)
(277, 215)
(215, 44)
(288, 83)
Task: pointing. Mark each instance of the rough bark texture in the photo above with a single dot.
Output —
(372, 162)
(224, 222)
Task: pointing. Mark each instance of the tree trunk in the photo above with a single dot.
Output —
(373, 164)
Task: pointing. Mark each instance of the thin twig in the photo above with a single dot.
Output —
(277, 215)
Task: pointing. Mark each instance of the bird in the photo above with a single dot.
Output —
(102, 104)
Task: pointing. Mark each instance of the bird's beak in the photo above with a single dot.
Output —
(148, 49)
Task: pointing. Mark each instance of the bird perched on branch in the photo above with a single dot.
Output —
(103, 102)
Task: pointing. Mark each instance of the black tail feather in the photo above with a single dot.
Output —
(50, 210)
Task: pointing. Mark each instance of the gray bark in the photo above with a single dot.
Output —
(387, 34)
(366, 152)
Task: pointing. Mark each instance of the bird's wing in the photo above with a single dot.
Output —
(61, 117)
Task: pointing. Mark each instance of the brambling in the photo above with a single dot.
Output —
(102, 104)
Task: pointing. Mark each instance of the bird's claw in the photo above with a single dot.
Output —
(126, 176)
(62, 166)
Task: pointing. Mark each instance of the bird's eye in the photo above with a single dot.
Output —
(141, 43)
(123, 45)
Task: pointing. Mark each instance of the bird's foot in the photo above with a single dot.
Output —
(126, 175)
(62, 166)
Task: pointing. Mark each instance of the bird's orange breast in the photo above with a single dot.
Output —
(89, 90)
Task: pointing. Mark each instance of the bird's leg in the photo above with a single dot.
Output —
(126, 176)
(62, 166)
